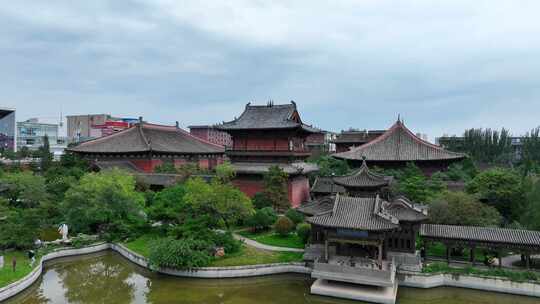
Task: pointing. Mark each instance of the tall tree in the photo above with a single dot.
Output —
(500, 188)
(531, 146)
(458, 208)
(45, 155)
(275, 188)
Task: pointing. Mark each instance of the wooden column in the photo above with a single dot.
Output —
(471, 256)
(447, 254)
(499, 258)
(326, 250)
(380, 255)
(528, 261)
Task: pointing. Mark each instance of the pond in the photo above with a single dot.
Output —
(108, 278)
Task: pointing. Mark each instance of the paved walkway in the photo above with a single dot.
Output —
(258, 245)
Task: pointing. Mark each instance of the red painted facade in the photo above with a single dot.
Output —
(297, 187)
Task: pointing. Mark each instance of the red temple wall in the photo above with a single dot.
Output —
(249, 185)
(298, 190)
(146, 165)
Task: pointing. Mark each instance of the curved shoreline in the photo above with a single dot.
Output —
(408, 279)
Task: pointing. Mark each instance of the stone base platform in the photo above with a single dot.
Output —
(382, 295)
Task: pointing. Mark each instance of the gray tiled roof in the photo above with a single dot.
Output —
(317, 206)
(399, 144)
(326, 185)
(357, 137)
(482, 234)
(259, 168)
(363, 177)
(149, 138)
(356, 213)
(117, 164)
(405, 210)
(270, 116)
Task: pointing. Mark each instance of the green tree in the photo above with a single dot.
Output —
(225, 173)
(260, 200)
(412, 183)
(303, 230)
(45, 155)
(530, 217)
(105, 202)
(500, 188)
(294, 216)
(169, 206)
(531, 146)
(20, 227)
(458, 208)
(262, 219)
(330, 166)
(224, 203)
(275, 187)
(24, 189)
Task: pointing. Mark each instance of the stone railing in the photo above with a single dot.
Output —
(355, 274)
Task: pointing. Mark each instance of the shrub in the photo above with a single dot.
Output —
(262, 219)
(185, 254)
(260, 201)
(303, 230)
(227, 241)
(294, 216)
(283, 226)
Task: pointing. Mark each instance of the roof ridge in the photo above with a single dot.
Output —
(140, 126)
(336, 203)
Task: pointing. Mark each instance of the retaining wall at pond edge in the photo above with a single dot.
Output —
(486, 283)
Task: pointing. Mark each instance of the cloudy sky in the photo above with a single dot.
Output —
(443, 65)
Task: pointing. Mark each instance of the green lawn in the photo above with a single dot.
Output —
(252, 256)
(273, 239)
(7, 275)
(141, 245)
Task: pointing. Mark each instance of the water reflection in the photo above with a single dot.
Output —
(108, 278)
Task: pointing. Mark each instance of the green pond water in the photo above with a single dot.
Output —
(108, 278)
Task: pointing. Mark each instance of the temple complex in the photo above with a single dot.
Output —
(399, 146)
(144, 146)
(270, 135)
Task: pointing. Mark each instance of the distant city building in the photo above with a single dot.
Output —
(355, 138)
(211, 134)
(8, 138)
(321, 142)
(31, 133)
(85, 127)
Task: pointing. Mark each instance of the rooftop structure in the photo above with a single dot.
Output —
(355, 138)
(149, 145)
(267, 135)
(397, 146)
(7, 129)
(211, 134)
(356, 240)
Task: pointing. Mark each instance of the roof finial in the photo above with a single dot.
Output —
(293, 103)
(177, 125)
(399, 117)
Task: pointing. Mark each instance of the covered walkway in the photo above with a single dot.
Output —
(525, 242)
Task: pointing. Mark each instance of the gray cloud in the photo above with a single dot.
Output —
(443, 65)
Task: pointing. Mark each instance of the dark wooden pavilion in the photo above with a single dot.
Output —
(146, 146)
(399, 146)
(267, 135)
